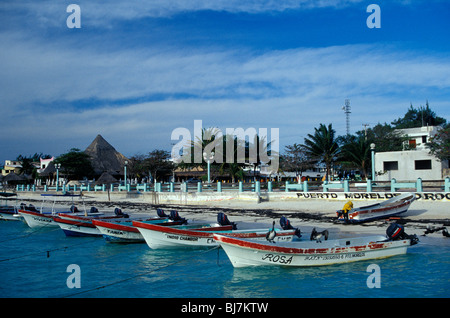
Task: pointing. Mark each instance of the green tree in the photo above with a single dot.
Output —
(439, 144)
(322, 146)
(355, 153)
(228, 161)
(136, 166)
(26, 165)
(211, 142)
(158, 163)
(295, 159)
(259, 152)
(384, 137)
(75, 164)
(418, 117)
(234, 169)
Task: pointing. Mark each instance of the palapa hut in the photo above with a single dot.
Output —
(49, 173)
(105, 158)
(106, 179)
(13, 179)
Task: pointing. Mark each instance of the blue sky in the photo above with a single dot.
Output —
(137, 70)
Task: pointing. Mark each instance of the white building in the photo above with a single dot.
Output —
(413, 162)
(417, 137)
(43, 163)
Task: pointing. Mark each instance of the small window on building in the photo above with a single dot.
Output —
(424, 139)
(412, 143)
(390, 165)
(422, 164)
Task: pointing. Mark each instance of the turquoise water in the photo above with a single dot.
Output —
(33, 263)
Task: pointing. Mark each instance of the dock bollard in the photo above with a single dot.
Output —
(258, 187)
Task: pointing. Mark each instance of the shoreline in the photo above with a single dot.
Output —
(305, 214)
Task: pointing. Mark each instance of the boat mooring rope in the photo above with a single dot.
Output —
(47, 252)
(143, 274)
(38, 230)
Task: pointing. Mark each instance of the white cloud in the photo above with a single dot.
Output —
(293, 90)
(36, 72)
(101, 13)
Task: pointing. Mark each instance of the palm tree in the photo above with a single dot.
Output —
(322, 146)
(356, 152)
(234, 168)
(26, 165)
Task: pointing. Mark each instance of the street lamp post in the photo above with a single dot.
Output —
(57, 166)
(125, 174)
(372, 148)
(208, 160)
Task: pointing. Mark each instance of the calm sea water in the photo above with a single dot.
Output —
(34, 264)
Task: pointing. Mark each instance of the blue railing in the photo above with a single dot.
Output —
(368, 186)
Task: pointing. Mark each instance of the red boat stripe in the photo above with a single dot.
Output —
(192, 232)
(116, 226)
(289, 250)
(78, 223)
(380, 210)
(36, 213)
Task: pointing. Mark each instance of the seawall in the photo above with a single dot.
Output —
(201, 198)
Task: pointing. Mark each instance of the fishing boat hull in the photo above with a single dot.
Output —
(118, 233)
(82, 225)
(37, 219)
(47, 219)
(44, 217)
(77, 228)
(386, 209)
(9, 214)
(158, 237)
(124, 231)
(243, 253)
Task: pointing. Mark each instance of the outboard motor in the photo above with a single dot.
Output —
(317, 236)
(93, 209)
(396, 231)
(286, 225)
(161, 213)
(222, 219)
(174, 216)
(74, 209)
(118, 212)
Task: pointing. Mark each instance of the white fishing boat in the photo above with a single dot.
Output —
(201, 235)
(244, 252)
(82, 225)
(123, 231)
(385, 209)
(8, 212)
(44, 216)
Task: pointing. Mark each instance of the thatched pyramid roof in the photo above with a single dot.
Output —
(105, 158)
(106, 178)
(50, 169)
(14, 177)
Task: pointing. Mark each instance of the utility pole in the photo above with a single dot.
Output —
(365, 130)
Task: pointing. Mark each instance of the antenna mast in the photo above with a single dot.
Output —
(347, 112)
